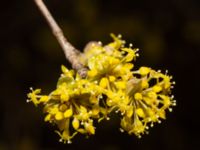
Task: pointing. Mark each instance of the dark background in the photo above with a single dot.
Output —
(167, 33)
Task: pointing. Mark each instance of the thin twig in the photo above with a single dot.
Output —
(71, 53)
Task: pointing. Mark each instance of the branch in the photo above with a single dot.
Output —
(71, 53)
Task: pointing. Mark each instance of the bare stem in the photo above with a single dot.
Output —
(71, 53)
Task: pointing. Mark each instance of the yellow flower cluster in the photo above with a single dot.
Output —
(141, 97)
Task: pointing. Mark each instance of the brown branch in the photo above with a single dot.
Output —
(71, 53)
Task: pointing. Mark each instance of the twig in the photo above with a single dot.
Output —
(71, 53)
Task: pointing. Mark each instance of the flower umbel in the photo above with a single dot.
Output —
(141, 96)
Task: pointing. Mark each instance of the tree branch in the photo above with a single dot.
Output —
(71, 53)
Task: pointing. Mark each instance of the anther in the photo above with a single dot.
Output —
(69, 142)
(119, 36)
(107, 118)
(28, 100)
(100, 43)
(121, 130)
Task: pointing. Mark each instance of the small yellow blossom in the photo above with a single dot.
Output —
(112, 78)
(120, 84)
(140, 112)
(47, 118)
(92, 73)
(129, 111)
(131, 54)
(68, 113)
(89, 128)
(157, 88)
(138, 96)
(144, 70)
(104, 82)
(59, 116)
(75, 123)
(33, 96)
(144, 84)
(64, 97)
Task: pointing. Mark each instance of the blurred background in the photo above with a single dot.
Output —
(167, 33)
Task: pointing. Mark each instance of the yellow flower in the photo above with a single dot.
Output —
(33, 96)
(144, 70)
(117, 42)
(68, 113)
(138, 96)
(140, 112)
(131, 54)
(89, 128)
(157, 88)
(75, 123)
(138, 128)
(112, 78)
(59, 116)
(104, 82)
(141, 97)
(47, 118)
